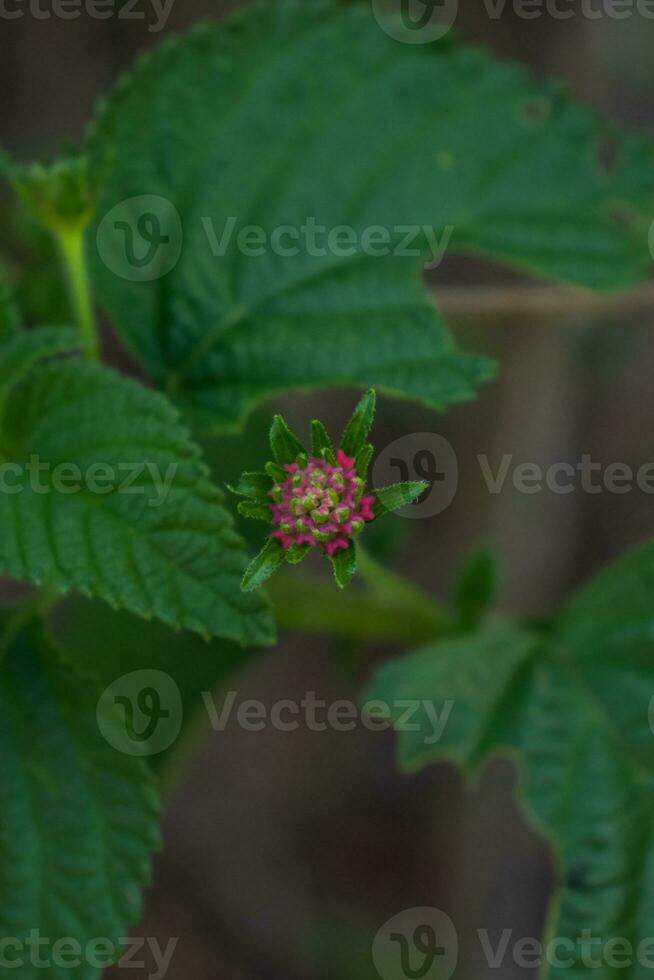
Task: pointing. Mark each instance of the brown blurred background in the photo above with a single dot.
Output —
(286, 852)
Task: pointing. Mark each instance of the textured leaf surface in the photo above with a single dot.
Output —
(77, 817)
(262, 567)
(285, 445)
(23, 349)
(356, 431)
(254, 485)
(575, 707)
(321, 444)
(475, 673)
(398, 495)
(344, 564)
(294, 112)
(255, 510)
(162, 546)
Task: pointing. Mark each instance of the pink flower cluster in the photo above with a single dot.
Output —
(320, 504)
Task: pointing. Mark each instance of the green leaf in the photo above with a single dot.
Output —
(464, 681)
(321, 444)
(477, 586)
(506, 166)
(262, 567)
(276, 472)
(297, 553)
(344, 564)
(256, 510)
(9, 319)
(509, 166)
(397, 496)
(254, 485)
(362, 461)
(78, 816)
(574, 707)
(285, 445)
(356, 432)
(136, 521)
(22, 351)
(617, 601)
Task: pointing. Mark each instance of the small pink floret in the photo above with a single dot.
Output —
(336, 544)
(319, 504)
(344, 461)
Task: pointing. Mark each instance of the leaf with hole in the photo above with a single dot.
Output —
(308, 117)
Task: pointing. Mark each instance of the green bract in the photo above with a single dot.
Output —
(317, 498)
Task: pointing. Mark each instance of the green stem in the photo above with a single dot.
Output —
(390, 609)
(71, 243)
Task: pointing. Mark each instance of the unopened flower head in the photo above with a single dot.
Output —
(320, 504)
(317, 500)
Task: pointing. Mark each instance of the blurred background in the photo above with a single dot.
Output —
(286, 852)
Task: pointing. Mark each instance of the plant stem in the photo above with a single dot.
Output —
(71, 243)
(390, 610)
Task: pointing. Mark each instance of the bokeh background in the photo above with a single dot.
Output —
(286, 852)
